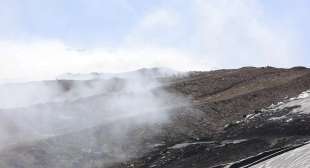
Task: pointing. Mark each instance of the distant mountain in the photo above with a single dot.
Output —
(144, 72)
(16, 95)
(71, 86)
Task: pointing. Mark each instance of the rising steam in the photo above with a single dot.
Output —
(109, 118)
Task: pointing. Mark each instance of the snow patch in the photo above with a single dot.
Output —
(302, 100)
(277, 118)
(226, 142)
(303, 95)
(183, 145)
(234, 141)
(297, 158)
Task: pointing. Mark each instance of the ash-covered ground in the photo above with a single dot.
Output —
(225, 118)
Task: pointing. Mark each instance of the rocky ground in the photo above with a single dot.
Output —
(246, 128)
(233, 119)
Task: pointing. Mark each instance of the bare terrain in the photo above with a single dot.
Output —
(207, 119)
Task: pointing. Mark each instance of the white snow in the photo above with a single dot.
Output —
(183, 145)
(157, 145)
(289, 120)
(234, 141)
(298, 158)
(186, 144)
(281, 118)
(305, 94)
(277, 118)
(302, 100)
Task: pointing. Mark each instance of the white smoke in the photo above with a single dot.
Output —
(123, 109)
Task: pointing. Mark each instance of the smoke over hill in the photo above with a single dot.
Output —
(153, 119)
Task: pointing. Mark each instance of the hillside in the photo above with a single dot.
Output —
(201, 119)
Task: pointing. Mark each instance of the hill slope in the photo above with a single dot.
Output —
(208, 124)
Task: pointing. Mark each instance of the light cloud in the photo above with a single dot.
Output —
(155, 28)
(47, 59)
(213, 34)
(238, 33)
(159, 18)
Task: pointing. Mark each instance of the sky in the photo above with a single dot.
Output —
(42, 39)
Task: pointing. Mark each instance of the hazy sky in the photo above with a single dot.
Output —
(43, 38)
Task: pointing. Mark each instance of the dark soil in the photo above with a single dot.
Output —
(227, 96)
